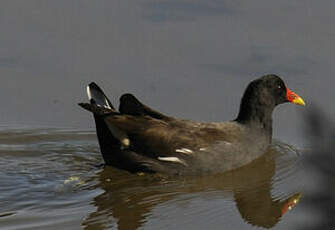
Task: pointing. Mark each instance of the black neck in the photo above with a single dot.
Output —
(256, 115)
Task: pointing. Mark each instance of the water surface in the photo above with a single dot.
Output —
(187, 58)
(53, 178)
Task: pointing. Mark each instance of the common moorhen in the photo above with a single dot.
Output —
(138, 138)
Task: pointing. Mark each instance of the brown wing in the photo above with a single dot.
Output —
(146, 135)
(154, 137)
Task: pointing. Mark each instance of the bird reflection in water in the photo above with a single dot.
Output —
(128, 199)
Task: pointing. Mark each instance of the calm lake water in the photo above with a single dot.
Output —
(53, 178)
(189, 59)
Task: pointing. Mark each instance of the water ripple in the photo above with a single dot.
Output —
(49, 172)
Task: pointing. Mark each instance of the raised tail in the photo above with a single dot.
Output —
(114, 142)
(99, 103)
(97, 96)
(97, 109)
(101, 107)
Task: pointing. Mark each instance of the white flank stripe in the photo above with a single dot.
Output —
(172, 159)
(227, 143)
(184, 150)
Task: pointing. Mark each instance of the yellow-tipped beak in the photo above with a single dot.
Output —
(299, 101)
(294, 98)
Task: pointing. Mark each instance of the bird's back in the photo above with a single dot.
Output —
(138, 138)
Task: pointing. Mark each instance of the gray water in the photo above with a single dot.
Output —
(53, 179)
(189, 59)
